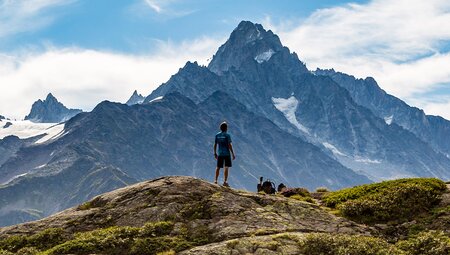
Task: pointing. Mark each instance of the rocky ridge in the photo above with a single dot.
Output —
(214, 212)
(50, 111)
(186, 215)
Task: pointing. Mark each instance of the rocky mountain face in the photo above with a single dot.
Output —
(287, 123)
(2, 118)
(50, 111)
(255, 69)
(434, 130)
(116, 145)
(135, 99)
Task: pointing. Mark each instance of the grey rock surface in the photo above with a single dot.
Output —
(50, 111)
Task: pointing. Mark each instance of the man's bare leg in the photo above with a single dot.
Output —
(225, 175)
(217, 174)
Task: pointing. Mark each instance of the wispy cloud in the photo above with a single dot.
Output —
(403, 44)
(82, 78)
(155, 5)
(167, 8)
(17, 16)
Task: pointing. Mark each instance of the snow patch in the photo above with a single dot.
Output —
(288, 107)
(265, 56)
(156, 99)
(25, 129)
(367, 161)
(333, 149)
(389, 119)
(15, 177)
(52, 133)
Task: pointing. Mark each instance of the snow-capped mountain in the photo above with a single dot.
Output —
(135, 99)
(313, 107)
(50, 111)
(287, 123)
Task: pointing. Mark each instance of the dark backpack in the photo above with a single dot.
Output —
(281, 187)
(268, 187)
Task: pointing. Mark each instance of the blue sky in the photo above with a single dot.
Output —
(86, 51)
(133, 26)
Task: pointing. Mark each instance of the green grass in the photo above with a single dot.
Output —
(397, 200)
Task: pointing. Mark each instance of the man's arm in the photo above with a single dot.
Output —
(215, 147)
(231, 149)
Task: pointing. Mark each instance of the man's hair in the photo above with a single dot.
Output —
(224, 127)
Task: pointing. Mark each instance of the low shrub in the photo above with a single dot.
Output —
(321, 243)
(113, 240)
(48, 238)
(301, 198)
(152, 238)
(296, 191)
(13, 243)
(426, 243)
(397, 200)
(28, 251)
(42, 240)
(335, 198)
(322, 190)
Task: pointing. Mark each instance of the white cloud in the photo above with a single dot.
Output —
(166, 8)
(437, 108)
(397, 42)
(81, 78)
(155, 5)
(437, 104)
(18, 16)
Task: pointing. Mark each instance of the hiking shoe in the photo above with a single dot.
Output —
(225, 184)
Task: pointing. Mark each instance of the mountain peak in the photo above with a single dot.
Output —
(50, 97)
(248, 41)
(50, 111)
(135, 98)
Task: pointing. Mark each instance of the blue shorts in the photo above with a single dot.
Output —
(223, 159)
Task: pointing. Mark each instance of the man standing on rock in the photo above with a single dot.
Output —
(223, 157)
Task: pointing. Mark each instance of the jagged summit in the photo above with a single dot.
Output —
(50, 111)
(136, 98)
(248, 42)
